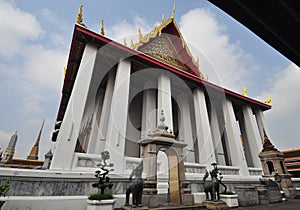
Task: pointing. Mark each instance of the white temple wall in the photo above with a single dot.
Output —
(253, 135)
(116, 133)
(105, 110)
(205, 144)
(164, 99)
(236, 153)
(67, 137)
(185, 127)
(215, 131)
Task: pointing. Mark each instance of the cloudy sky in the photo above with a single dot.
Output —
(35, 37)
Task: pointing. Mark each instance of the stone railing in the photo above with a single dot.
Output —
(86, 161)
(255, 171)
(194, 168)
(229, 170)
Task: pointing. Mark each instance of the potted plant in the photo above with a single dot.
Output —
(230, 198)
(102, 200)
(4, 188)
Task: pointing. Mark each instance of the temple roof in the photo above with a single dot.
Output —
(166, 44)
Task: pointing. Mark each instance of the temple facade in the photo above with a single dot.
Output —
(113, 94)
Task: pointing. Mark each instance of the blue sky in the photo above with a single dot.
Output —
(35, 41)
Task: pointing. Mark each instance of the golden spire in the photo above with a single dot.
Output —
(140, 34)
(34, 153)
(173, 11)
(269, 100)
(79, 16)
(162, 18)
(244, 93)
(124, 42)
(102, 28)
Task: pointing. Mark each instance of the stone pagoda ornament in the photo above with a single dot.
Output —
(162, 140)
(273, 164)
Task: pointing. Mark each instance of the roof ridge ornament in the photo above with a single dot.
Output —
(102, 28)
(79, 19)
(173, 11)
(244, 93)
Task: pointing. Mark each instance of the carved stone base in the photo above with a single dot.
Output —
(287, 186)
(215, 205)
(187, 199)
(150, 201)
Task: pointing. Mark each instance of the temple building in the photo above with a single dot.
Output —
(113, 94)
(32, 161)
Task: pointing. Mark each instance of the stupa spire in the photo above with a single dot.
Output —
(10, 150)
(34, 153)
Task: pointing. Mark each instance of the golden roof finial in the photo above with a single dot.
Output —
(269, 100)
(206, 79)
(65, 71)
(162, 18)
(102, 27)
(173, 11)
(124, 42)
(244, 93)
(140, 34)
(79, 16)
(197, 62)
(131, 44)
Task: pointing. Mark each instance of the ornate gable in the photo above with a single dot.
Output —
(165, 43)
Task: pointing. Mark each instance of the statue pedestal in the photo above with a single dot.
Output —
(215, 205)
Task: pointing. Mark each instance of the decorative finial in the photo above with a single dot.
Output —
(79, 16)
(162, 18)
(124, 42)
(65, 71)
(131, 44)
(102, 27)
(173, 11)
(269, 100)
(140, 34)
(267, 145)
(206, 78)
(244, 93)
(197, 61)
(162, 119)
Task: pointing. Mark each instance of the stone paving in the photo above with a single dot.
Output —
(293, 204)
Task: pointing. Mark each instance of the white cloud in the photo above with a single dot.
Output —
(284, 117)
(16, 28)
(223, 61)
(128, 30)
(33, 64)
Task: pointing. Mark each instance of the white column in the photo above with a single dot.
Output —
(235, 147)
(67, 137)
(116, 132)
(105, 113)
(185, 127)
(95, 125)
(205, 144)
(148, 112)
(253, 136)
(164, 99)
(215, 131)
(261, 123)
